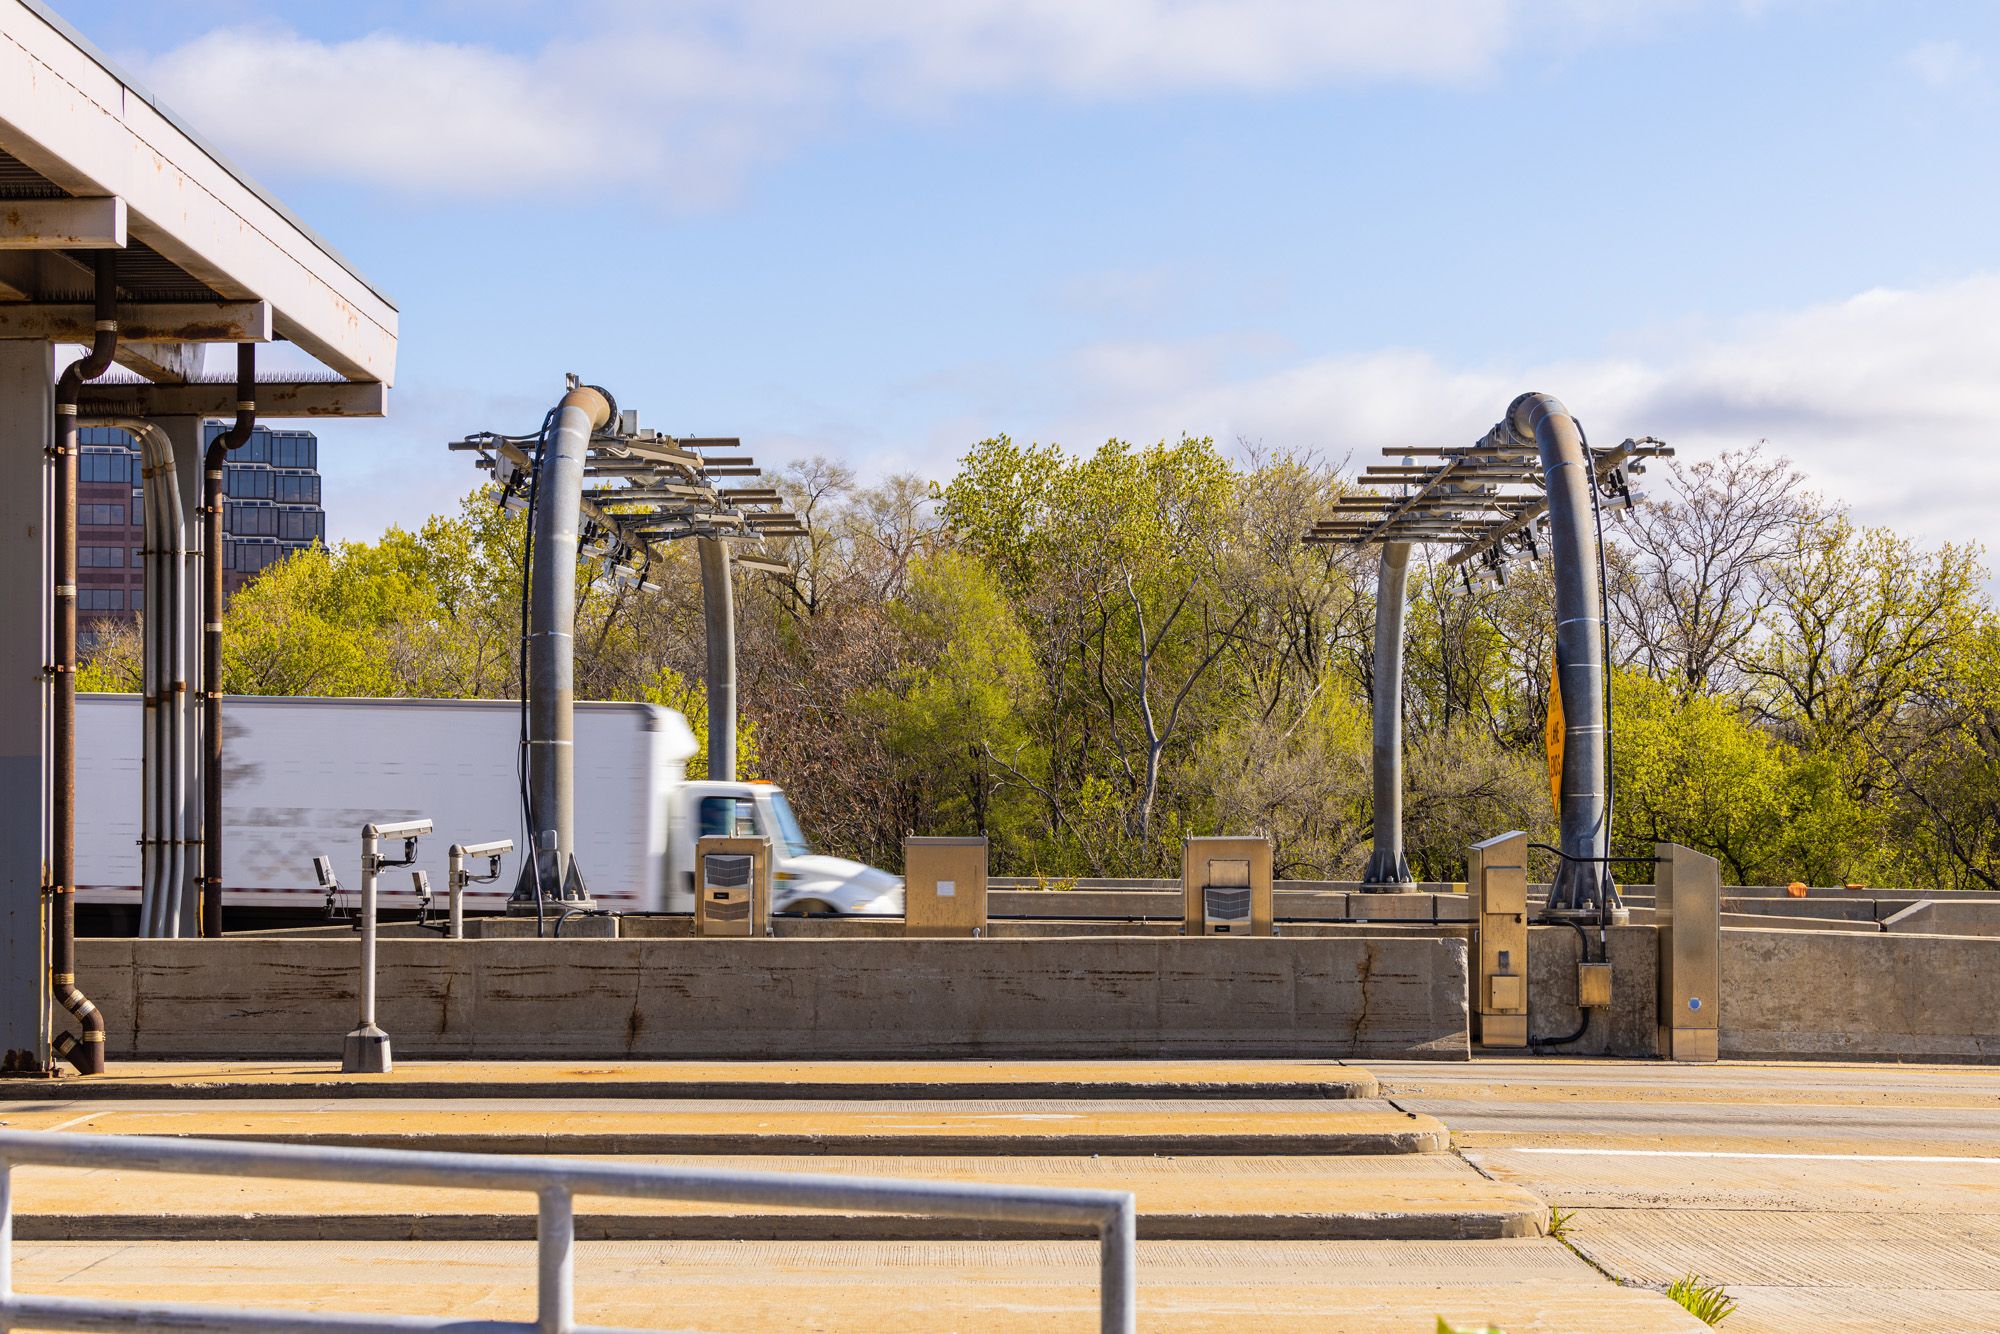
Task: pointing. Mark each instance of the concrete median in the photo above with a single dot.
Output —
(1860, 997)
(1117, 997)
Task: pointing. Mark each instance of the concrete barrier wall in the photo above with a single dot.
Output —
(1378, 996)
(1946, 917)
(1071, 884)
(1310, 904)
(1630, 1026)
(1860, 997)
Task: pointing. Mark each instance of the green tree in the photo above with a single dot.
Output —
(956, 707)
(1696, 771)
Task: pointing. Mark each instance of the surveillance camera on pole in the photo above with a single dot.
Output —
(366, 1051)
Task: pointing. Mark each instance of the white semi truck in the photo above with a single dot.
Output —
(301, 776)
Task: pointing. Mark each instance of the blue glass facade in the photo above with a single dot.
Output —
(272, 507)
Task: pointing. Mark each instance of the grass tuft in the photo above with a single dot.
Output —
(1706, 1302)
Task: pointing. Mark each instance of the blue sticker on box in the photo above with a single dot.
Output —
(1694, 1002)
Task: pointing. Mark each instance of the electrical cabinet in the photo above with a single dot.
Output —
(1226, 886)
(732, 886)
(944, 886)
(1498, 884)
(1593, 985)
(1688, 912)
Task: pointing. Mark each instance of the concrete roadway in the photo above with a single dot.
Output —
(1823, 1196)
(1835, 1197)
(1307, 1204)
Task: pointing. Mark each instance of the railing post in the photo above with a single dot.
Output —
(6, 1241)
(1118, 1270)
(555, 1254)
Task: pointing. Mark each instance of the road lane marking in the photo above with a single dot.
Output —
(1723, 1153)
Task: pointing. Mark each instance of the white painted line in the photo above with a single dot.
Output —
(1719, 1153)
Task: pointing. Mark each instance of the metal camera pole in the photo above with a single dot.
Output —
(366, 1051)
(458, 877)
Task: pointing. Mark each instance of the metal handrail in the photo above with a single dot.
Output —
(555, 1182)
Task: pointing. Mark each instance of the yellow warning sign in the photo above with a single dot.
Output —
(1552, 734)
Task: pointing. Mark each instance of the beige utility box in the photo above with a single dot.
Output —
(944, 886)
(1226, 885)
(732, 886)
(1593, 985)
(1497, 881)
(1688, 912)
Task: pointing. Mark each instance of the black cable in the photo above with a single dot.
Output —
(1583, 946)
(568, 913)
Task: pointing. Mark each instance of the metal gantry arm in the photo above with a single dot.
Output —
(1530, 488)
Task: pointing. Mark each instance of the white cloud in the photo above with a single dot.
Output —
(682, 99)
(444, 120)
(1888, 400)
(1944, 65)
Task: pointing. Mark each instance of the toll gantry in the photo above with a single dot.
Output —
(1532, 488)
(598, 487)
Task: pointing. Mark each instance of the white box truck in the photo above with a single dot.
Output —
(301, 776)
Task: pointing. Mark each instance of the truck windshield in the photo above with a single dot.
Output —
(789, 835)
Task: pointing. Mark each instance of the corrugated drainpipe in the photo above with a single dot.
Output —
(163, 824)
(86, 1055)
(549, 870)
(718, 610)
(1583, 881)
(235, 437)
(1388, 870)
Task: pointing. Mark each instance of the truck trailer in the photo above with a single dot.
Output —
(301, 776)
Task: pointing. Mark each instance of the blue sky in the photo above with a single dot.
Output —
(881, 229)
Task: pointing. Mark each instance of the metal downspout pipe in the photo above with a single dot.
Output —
(718, 611)
(163, 823)
(549, 871)
(88, 1054)
(1388, 871)
(235, 437)
(151, 871)
(1583, 882)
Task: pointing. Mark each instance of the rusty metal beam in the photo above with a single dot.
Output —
(166, 363)
(176, 322)
(62, 224)
(275, 400)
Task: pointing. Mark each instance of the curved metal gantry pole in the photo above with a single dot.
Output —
(1583, 882)
(1388, 870)
(549, 871)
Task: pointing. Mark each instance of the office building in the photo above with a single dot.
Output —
(271, 508)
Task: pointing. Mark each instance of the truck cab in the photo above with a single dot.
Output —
(801, 879)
